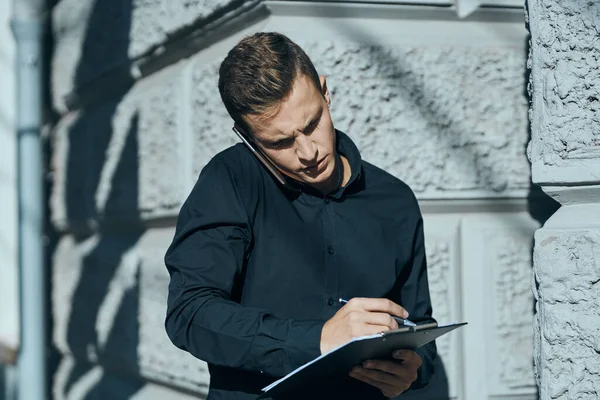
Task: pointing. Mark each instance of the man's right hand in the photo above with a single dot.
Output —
(359, 317)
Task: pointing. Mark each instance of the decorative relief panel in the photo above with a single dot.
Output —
(438, 259)
(498, 304)
(510, 257)
(158, 358)
(566, 106)
(441, 250)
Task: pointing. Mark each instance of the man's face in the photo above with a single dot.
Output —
(300, 137)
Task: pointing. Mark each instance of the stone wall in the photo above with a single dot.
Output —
(565, 157)
(444, 110)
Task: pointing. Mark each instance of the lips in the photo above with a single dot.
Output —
(316, 167)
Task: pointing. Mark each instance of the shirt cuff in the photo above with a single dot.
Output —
(304, 342)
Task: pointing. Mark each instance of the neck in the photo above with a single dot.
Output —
(339, 177)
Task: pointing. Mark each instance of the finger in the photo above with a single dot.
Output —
(379, 305)
(383, 377)
(382, 319)
(386, 388)
(367, 329)
(391, 367)
(401, 372)
(408, 357)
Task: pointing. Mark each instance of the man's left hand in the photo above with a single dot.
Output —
(391, 377)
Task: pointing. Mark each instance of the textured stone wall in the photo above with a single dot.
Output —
(567, 324)
(565, 70)
(463, 115)
(443, 147)
(120, 166)
(131, 139)
(565, 156)
(109, 306)
(449, 120)
(85, 49)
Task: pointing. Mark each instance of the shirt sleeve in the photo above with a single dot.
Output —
(206, 264)
(415, 298)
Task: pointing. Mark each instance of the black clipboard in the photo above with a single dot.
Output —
(341, 360)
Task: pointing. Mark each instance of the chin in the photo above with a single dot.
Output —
(315, 181)
(322, 178)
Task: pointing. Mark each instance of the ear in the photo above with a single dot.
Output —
(324, 89)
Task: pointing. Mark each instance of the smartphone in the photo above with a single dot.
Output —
(261, 157)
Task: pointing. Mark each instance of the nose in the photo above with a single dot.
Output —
(306, 150)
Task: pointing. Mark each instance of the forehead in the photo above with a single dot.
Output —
(292, 114)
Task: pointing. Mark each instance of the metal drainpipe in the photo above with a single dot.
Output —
(28, 23)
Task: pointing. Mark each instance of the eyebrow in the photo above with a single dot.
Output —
(306, 128)
(314, 120)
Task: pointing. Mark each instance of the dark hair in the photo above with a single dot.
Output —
(259, 72)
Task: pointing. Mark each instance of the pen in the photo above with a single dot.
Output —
(400, 321)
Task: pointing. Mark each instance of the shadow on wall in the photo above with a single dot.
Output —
(108, 279)
(115, 346)
(539, 205)
(114, 342)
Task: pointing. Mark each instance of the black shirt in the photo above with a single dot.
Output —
(257, 268)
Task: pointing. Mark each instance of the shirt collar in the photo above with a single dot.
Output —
(346, 147)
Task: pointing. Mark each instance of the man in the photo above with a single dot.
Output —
(257, 265)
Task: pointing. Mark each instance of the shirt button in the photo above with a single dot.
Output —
(330, 250)
(330, 302)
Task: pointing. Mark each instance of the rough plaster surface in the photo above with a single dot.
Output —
(109, 301)
(85, 49)
(567, 323)
(510, 255)
(448, 121)
(421, 119)
(442, 119)
(440, 266)
(211, 125)
(415, 111)
(565, 155)
(93, 382)
(158, 358)
(565, 71)
(120, 160)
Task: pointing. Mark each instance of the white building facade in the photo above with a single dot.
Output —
(435, 93)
